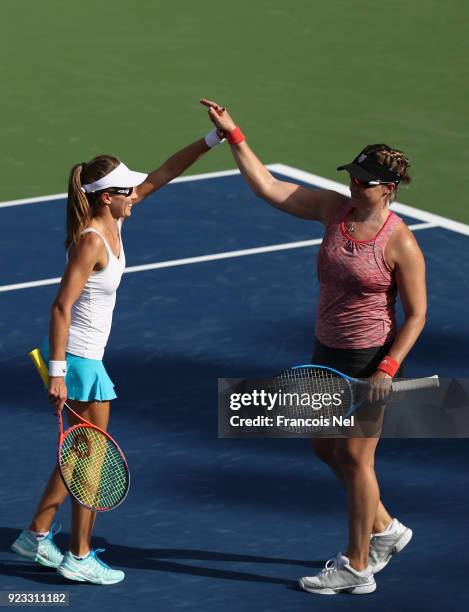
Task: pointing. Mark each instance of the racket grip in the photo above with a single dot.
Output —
(416, 383)
(41, 367)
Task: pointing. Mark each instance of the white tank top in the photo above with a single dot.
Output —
(92, 312)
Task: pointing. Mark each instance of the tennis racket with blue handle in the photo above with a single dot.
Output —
(331, 393)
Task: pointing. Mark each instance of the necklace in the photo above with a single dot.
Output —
(351, 225)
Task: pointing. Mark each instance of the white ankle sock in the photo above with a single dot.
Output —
(81, 557)
(391, 528)
(39, 534)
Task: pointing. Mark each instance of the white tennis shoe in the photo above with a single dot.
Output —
(42, 550)
(90, 569)
(339, 577)
(383, 547)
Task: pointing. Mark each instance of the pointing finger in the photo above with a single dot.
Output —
(211, 104)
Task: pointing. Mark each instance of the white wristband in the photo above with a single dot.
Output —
(57, 368)
(212, 139)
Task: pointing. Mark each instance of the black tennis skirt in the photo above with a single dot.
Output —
(358, 363)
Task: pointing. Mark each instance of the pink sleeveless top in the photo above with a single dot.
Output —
(357, 290)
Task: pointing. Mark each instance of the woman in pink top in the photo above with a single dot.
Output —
(368, 257)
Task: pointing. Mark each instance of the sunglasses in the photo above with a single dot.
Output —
(124, 191)
(360, 183)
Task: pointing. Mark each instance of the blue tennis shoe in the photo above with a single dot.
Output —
(42, 549)
(89, 569)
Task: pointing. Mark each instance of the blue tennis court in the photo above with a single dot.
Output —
(220, 284)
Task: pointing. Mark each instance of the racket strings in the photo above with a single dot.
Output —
(314, 394)
(93, 468)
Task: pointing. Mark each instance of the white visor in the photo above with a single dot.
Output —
(119, 177)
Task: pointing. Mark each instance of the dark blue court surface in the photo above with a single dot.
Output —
(215, 524)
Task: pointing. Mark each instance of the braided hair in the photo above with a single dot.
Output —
(392, 159)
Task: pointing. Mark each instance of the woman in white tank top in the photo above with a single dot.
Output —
(101, 195)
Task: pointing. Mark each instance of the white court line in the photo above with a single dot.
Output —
(429, 220)
(403, 209)
(172, 263)
(293, 173)
(63, 196)
(43, 199)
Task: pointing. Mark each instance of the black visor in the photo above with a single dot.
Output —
(366, 168)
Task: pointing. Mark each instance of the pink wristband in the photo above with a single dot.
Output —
(235, 136)
(389, 365)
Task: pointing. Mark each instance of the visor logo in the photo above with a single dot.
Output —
(361, 158)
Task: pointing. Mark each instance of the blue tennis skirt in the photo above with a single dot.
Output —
(86, 379)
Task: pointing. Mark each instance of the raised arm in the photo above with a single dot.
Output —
(313, 204)
(173, 167)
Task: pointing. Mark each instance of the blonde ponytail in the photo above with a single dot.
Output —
(79, 211)
(80, 206)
